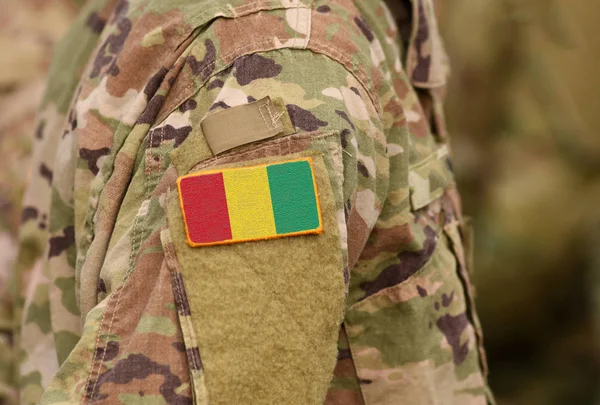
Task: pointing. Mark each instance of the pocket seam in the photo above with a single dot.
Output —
(434, 160)
(463, 274)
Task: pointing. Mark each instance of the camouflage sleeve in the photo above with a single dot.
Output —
(237, 303)
(250, 200)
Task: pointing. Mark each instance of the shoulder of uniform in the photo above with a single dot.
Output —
(337, 30)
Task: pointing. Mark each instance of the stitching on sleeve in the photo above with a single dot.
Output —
(260, 109)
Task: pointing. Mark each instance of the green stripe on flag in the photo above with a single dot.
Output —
(293, 197)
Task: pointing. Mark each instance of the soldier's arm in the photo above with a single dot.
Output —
(243, 186)
(264, 307)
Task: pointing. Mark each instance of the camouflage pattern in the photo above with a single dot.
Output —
(103, 311)
(28, 32)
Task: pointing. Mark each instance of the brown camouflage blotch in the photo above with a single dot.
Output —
(358, 233)
(155, 81)
(189, 105)
(177, 84)
(243, 35)
(344, 371)
(421, 39)
(168, 133)
(394, 108)
(59, 244)
(364, 28)
(345, 117)
(166, 183)
(109, 352)
(304, 119)
(139, 367)
(252, 67)
(362, 169)
(105, 60)
(338, 396)
(143, 62)
(218, 84)
(29, 213)
(453, 327)
(409, 264)
(95, 22)
(96, 134)
(419, 128)
(205, 66)
(387, 240)
(152, 110)
(46, 173)
(92, 156)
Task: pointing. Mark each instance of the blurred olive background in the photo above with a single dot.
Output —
(524, 112)
(523, 109)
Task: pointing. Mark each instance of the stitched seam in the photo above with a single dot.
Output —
(262, 5)
(131, 266)
(309, 24)
(178, 297)
(185, 320)
(263, 115)
(188, 325)
(92, 372)
(118, 297)
(136, 233)
(297, 21)
(274, 117)
(278, 142)
(106, 341)
(118, 293)
(268, 107)
(134, 238)
(436, 155)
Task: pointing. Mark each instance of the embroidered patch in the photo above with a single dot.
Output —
(250, 203)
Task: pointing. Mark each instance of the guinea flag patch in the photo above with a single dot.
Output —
(250, 203)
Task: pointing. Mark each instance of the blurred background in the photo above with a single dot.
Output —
(523, 110)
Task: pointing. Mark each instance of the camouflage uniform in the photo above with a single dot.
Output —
(28, 32)
(117, 308)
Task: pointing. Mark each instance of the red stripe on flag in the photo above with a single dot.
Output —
(204, 205)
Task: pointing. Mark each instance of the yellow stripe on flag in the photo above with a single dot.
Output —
(249, 203)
